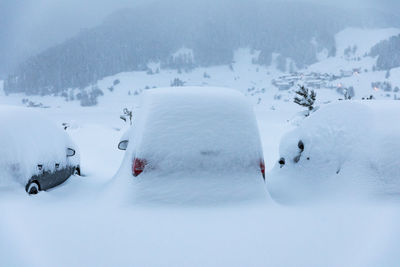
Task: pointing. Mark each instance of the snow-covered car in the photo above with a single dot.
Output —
(348, 148)
(34, 151)
(182, 132)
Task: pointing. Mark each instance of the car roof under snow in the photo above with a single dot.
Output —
(196, 127)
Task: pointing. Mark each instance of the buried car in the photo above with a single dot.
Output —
(344, 149)
(35, 152)
(194, 142)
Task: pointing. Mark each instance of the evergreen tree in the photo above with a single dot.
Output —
(305, 98)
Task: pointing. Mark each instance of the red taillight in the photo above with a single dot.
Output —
(138, 166)
(262, 167)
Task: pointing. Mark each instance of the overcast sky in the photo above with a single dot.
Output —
(28, 26)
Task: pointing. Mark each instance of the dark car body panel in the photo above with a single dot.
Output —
(50, 179)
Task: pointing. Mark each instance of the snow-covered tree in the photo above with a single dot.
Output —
(177, 82)
(89, 98)
(305, 98)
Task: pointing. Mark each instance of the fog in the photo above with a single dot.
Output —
(30, 26)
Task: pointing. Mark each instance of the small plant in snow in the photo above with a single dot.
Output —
(127, 114)
(305, 98)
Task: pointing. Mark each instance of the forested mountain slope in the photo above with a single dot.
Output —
(209, 33)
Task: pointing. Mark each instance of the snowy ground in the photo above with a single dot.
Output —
(75, 224)
(79, 224)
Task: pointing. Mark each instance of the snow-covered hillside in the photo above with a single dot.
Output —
(288, 32)
(351, 70)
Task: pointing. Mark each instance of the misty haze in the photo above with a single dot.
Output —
(199, 133)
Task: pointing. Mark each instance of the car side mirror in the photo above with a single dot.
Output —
(70, 152)
(123, 145)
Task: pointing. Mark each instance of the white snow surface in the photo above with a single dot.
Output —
(350, 148)
(201, 145)
(28, 138)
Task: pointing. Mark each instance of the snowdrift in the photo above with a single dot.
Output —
(347, 148)
(27, 139)
(197, 142)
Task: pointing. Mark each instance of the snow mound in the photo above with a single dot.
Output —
(347, 148)
(195, 132)
(27, 139)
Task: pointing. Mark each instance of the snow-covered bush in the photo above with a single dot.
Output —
(346, 147)
(177, 82)
(89, 98)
